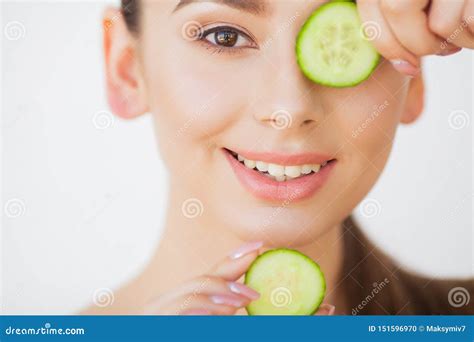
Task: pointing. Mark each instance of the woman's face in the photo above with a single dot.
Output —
(222, 79)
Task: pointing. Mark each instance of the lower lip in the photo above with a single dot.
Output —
(271, 190)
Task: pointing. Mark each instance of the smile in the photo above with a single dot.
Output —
(278, 177)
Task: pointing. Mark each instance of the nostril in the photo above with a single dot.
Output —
(307, 122)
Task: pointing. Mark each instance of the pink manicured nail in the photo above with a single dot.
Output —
(331, 310)
(244, 290)
(405, 67)
(227, 300)
(326, 310)
(448, 52)
(246, 249)
(197, 312)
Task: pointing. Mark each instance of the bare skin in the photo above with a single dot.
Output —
(204, 98)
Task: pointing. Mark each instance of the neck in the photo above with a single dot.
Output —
(190, 246)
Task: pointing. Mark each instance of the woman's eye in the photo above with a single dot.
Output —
(227, 38)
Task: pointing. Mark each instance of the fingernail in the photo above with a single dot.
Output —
(246, 249)
(448, 52)
(244, 290)
(196, 312)
(405, 67)
(326, 310)
(331, 309)
(227, 300)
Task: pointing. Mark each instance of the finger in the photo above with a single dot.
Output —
(446, 20)
(409, 22)
(236, 264)
(384, 40)
(468, 16)
(206, 285)
(214, 305)
(197, 312)
(326, 310)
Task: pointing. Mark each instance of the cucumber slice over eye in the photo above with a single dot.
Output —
(332, 49)
(289, 283)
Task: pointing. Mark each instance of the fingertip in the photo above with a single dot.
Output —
(246, 249)
(405, 67)
(326, 310)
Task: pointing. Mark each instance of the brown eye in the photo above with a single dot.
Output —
(226, 38)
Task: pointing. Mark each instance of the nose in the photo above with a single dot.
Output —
(289, 100)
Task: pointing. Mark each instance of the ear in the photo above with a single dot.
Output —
(125, 85)
(415, 101)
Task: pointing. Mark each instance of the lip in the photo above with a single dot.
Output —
(291, 190)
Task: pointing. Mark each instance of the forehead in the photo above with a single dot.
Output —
(255, 6)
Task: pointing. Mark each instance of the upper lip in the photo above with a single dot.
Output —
(285, 158)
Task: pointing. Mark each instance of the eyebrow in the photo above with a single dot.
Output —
(251, 6)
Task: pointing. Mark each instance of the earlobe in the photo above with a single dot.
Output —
(125, 86)
(415, 101)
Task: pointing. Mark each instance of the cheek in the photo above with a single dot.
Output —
(370, 118)
(192, 96)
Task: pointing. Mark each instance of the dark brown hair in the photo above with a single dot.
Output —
(374, 284)
(131, 12)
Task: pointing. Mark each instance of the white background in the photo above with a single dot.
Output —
(92, 200)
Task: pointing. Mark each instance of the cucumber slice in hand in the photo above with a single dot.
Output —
(332, 49)
(289, 283)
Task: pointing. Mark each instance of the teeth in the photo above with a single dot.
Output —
(293, 171)
(280, 173)
(250, 163)
(306, 169)
(262, 166)
(276, 170)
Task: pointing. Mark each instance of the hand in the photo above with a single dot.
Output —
(405, 30)
(217, 292)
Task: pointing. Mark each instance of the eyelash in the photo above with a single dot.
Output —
(217, 49)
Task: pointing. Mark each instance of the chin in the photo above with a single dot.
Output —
(275, 226)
